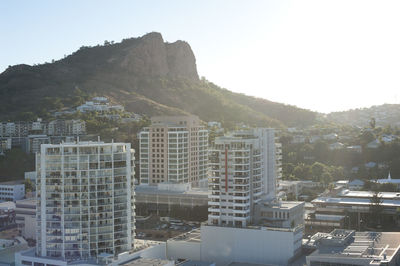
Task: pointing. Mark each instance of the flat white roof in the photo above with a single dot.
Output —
(83, 143)
(386, 180)
(7, 205)
(356, 201)
(368, 194)
(12, 183)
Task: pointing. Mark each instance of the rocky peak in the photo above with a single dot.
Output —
(151, 56)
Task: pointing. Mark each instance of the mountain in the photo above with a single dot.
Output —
(146, 75)
(384, 115)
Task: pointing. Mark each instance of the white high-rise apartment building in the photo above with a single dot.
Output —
(173, 149)
(244, 167)
(85, 195)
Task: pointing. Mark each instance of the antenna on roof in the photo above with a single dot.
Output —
(389, 177)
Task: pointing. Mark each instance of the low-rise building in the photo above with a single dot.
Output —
(280, 214)
(389, 180)
(31, 176)
(25, 217)
(12, 191)
(336, 146)
(347, 247)
(374, 144)
(7, 213)
(33, 143)
(354, 148)
(358, 202)
(8, 248)
(356, 184)
(296, 187)
(342, 183)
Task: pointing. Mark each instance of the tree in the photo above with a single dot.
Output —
(376, 208)
(29, 186)
(317, 169)
(26, 116)
(326, 178)
(372, 122)
(365, 137)
(302, 171)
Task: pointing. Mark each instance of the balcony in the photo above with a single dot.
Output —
(214, 210)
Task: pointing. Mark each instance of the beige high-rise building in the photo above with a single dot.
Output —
(173, 149)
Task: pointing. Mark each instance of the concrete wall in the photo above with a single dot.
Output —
(224, 245)
(29, 229)
(183, 250)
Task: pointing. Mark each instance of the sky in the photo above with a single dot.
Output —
(320, 55)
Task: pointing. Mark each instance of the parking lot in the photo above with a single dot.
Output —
(162, 228)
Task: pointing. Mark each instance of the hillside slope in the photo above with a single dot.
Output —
(147, 76)
(384, 115)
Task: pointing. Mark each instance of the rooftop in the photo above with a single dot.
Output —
(192, 236)
(355, 201)
(82, 143)
(386, 180)
(7, 205)
(13, 182)
(27, 201)
(282, 205)
(195, 263)
(146, 262)
(362, 245)
(368, 194)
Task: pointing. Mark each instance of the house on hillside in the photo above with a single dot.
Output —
(356, 184)
(342, 183)
(388, 138)
(374, 144)
(336, 146)
(354, 148)
(297, 139)
(331, 136)
(314, 139)
(370, 165)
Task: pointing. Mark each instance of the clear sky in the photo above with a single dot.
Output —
(320, 55)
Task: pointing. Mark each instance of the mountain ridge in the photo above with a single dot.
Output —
(148, 76)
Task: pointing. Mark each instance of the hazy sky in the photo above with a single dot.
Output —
(320, 55)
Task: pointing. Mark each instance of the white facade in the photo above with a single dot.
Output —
(143, 249)
(85, 200)
(226, 245)
(244, 168)
(92, 106)
(11, 191)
